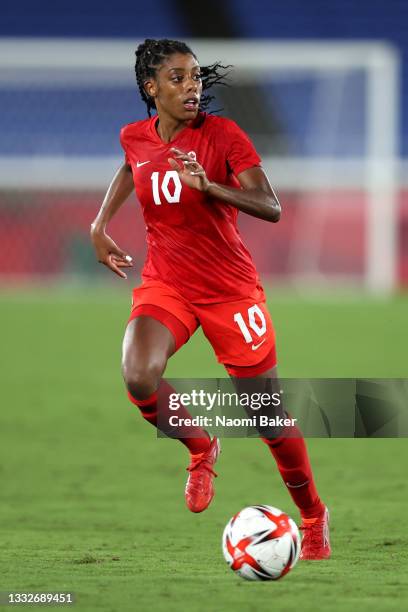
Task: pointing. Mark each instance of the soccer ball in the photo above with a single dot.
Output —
(261, 543)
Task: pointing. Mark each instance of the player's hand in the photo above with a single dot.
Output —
(109, 254)
(190, 172)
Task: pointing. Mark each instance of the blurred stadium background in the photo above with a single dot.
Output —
(321, 91)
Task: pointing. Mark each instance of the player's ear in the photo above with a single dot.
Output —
(150, 88)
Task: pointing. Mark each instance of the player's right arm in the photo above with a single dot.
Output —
(107, 251)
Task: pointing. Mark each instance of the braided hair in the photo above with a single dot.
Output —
(150, 55)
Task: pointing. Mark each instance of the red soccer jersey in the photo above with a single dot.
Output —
(193, 241)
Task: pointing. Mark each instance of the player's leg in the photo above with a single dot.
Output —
(147, 345)
(154, 334)
(288, 448)
(286, 444)
(243, 339)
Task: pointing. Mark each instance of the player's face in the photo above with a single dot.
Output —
(177, 87)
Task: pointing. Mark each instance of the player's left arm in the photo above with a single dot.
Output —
(256, 198)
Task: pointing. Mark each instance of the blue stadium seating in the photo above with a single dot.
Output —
(90, 18)
(385, 20)
(71, 129)
(66, 121)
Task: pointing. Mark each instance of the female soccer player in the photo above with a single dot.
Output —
(193, 172)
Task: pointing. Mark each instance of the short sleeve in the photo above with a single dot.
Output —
(123, 144)
(241, 153)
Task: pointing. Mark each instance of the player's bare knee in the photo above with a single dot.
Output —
(140, 385)
(142, 379)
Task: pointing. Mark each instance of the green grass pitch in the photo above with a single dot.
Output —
(92, 502)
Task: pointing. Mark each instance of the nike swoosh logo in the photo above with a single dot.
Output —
(138, 164)
(256, 346)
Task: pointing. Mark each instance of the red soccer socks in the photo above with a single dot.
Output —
(195, 438)
(293, 463)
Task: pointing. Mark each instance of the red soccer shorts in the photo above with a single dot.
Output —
(240, 332)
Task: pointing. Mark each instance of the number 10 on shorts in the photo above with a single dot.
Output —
(256, 321)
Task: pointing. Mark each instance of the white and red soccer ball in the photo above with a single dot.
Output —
(261, 543)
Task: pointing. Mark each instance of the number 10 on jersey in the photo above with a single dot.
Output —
(259, 329)
(171, 175)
